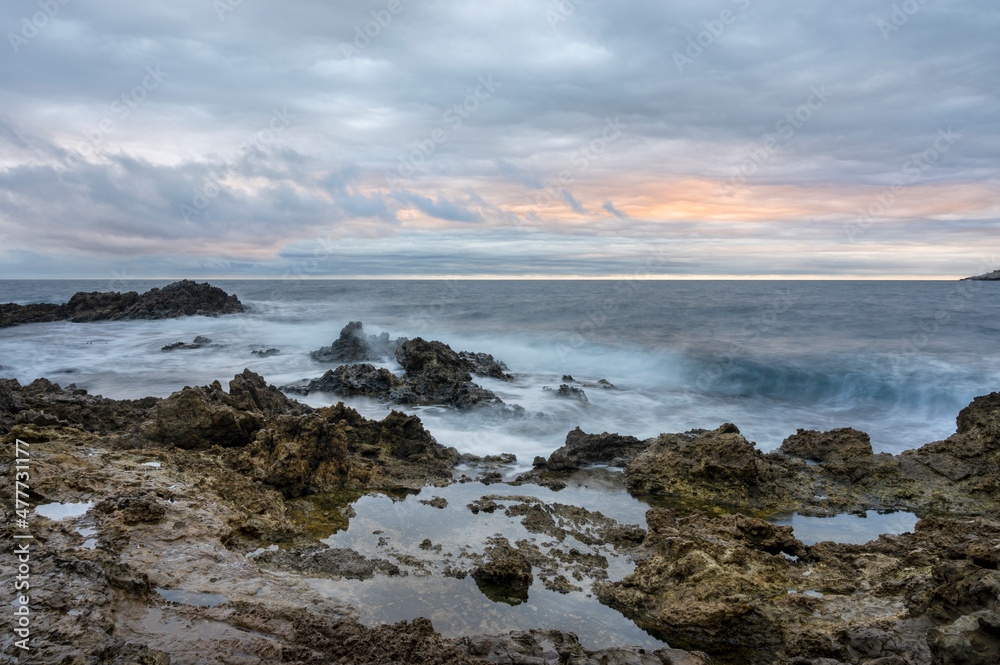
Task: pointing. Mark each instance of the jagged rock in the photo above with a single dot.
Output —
(42, 403)
(266, 353)
(582, 449)
(299, 455)
(354, 346)
(198, 343)
(567, 378)
(842, 452)
(569, 392)
(362, 379)
(184, 298)
(208, 416)
(719, 466)
(434, 374)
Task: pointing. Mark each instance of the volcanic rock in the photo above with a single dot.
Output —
(184, 298)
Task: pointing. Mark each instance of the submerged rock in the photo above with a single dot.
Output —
(569, 392)
(184, 298)
(506, 576)
(198, 343)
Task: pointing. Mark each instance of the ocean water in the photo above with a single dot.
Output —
(895, 359)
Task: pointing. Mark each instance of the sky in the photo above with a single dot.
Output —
(573, 139)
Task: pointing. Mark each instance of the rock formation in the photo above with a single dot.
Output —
(184, 298)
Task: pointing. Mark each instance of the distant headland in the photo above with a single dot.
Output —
(988, 277)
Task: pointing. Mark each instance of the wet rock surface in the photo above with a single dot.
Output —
(199, 342)
(178, 560)
(433, 373)
(184, 298)
(354, 345)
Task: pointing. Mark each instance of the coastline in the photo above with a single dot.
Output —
(188, 527)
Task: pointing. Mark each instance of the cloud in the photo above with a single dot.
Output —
(275, 125)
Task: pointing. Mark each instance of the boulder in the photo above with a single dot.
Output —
(354, 346)
(582, 449)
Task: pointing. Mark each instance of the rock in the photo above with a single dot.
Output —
(988, 277)
(554, 647)
(299, 455)
(582, 449)
(506, 576)
(718, 466)
(43, 404)
(198, 343)
(842, 452)
(208, 416)
(133, 509)
(569, 392)
(436, 502)
(354, 346)
(604, 383)
(12, 315)
(567, 378)
(321, 561)
(434, 374)
(184, 298)
(266, 353)
(362, 379)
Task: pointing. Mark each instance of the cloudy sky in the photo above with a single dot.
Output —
(839, 138)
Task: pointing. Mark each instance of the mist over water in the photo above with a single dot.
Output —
(895, 359)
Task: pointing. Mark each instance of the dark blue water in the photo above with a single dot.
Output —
(896, 359)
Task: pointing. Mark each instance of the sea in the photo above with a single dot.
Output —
(895, 359)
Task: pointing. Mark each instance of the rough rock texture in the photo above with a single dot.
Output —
(582, 449)
(960, 474)
(41, 404)
(552, 647)
(169, 579)
(506, 575)
(184, 298)
(362, 379)
(724, 585)
(434, 374)
(317, 560)
(209, 416)
(354, 346)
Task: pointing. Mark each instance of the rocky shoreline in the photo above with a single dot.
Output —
(184, 298)
(203, 529)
